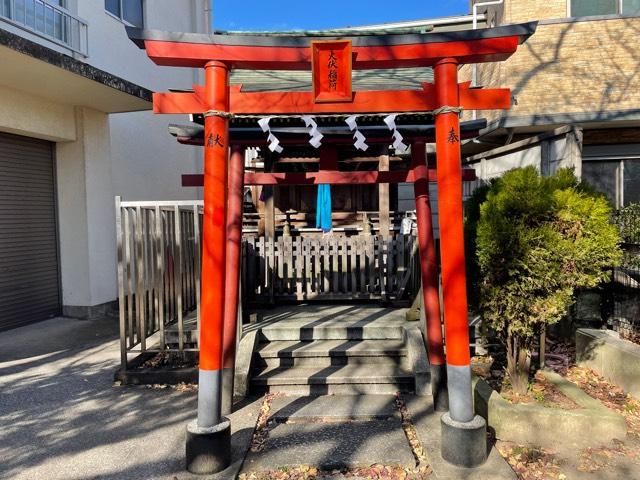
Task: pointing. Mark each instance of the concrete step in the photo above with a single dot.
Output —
(325, 353)
(341, 329)
(348, 379)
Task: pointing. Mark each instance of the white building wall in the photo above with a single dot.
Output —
(85, 216)
(99, 156)
(145, 161)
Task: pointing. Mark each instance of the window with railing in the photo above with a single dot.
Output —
(48, 19)
(589, 8)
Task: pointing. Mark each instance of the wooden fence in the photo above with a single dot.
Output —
(329, 268)
(159, 248)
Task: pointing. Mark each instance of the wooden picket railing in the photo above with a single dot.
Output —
(159, 249)
(329, 268)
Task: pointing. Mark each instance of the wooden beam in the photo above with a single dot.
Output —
(383, 197)
(330, 177)
(375, 101)
(268, 195)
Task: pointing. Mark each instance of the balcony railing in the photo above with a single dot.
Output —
(48, 21)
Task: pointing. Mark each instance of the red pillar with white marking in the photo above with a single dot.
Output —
(463, 432)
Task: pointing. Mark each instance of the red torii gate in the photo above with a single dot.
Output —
(208, 439)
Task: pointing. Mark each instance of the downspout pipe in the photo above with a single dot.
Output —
(474, 69)
(208, 14)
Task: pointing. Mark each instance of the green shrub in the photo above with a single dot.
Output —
(538, 240)
(628, 220)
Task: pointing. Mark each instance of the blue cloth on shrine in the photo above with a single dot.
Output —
(323, 208)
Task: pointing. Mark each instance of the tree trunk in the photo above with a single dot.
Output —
(518, 364)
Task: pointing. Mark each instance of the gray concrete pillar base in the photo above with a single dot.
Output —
(464, 444)
(208, 450)
(227, 391)
(439, 388)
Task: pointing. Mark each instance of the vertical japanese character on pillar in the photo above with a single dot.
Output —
(208, 446)
(463, 432)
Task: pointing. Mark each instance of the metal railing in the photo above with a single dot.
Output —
(49, 21)
(158, 275)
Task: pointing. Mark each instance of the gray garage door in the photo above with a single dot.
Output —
(29, 282)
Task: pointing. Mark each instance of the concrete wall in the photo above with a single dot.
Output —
(85, 213)
(146, 160)
(561, 148)
(28, 115)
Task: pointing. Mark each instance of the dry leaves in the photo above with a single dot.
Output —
(610, 395)
(306, 472)
(541, 392)
(410, 432)
(180, 387)
(594, 459)
(531, 463)
(261, 433)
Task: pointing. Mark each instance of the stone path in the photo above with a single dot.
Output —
(62, 418)
(336, 432)
(333, 432)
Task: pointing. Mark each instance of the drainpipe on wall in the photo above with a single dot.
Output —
(208, 14)
(474, 70)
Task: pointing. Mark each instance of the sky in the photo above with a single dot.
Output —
(321, 14)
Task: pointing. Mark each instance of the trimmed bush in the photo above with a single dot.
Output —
(538, 240)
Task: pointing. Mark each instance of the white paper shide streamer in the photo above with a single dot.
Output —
(357, 136)
(274, 143)
(398, 144)
(314, 133)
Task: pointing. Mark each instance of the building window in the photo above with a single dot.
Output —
(588, 8)
(39, 16)
(617, 179)
(129, 11)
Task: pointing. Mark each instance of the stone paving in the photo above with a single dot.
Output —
(335, 432)
(62, 418)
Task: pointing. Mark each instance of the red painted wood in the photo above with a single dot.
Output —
(180, 54)
(428, 261)
(384, 101)
(450, 214)
(326, 177)
(234, 240)
(214, 233)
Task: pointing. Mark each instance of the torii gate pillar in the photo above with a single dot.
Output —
(208, 447)
(463, 432)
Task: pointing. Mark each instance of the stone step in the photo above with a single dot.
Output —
(348, 379)
(324, 353)
(333, 408)
(332, 329)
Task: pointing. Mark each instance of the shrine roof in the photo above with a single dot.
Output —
(331, 126)
(300, 80)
